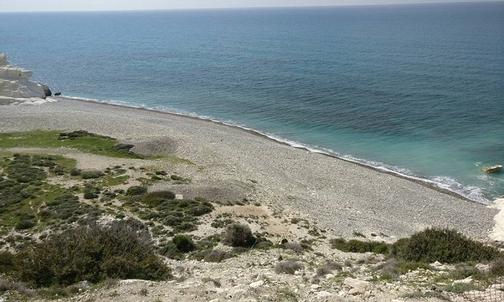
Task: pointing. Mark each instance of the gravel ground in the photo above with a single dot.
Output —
(341, 196)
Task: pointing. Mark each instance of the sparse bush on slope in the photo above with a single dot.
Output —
(443, 245)
(239, 235)
(357, 246)
(93, 253)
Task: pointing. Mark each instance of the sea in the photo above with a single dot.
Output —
(416, 90)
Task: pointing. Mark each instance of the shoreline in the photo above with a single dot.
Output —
(341, 196)
(415, 179)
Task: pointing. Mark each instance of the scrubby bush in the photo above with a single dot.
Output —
(58, 170)
(393, 268)
(90, 195)
(183, 243)
(20, 169)
(294, 246)
(154, 199)
(287, 267)
(443, 245)
(497, 267)
(6, 262)
(62, 207)
(91, 174)
(75, 172)
(217, 255)
(239, 235)
(327, 268)
(357, 246)
(93, 253)
(26, 223)
(136, 190)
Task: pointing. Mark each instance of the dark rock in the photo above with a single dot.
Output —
(124, 147)
(73, 134)
(57, 93)
(47, 91)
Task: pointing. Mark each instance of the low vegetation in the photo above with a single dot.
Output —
(443, 245)
(239, 235)
(287, 267)
(357, 246)
(179, 214)
(80, 140)
(430, 245)
(89, 253)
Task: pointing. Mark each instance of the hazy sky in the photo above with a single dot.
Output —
(52, 5)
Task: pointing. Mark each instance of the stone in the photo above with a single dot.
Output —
(439, 266)
(357, 287)
(47, 91)
(256, 284)
(323, 294)
(467, 280)
(484, 268)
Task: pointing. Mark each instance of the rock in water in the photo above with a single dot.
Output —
(493, 169)
(15, 82)
(47, 91)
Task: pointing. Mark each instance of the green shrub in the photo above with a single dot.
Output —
(184, 243)
(357, 246)
(63, 207)
(239, 235)
(158, 197)
(90, 195)
(7, 262)
(24, 224)
(20, 169)
(75, 172)
(91, 174)
(443, 245)
(136, 190)
(91, 192)
(93, 253)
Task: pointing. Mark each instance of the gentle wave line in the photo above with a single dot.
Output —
(442, 183)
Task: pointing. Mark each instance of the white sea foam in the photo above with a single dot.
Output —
(442, 182)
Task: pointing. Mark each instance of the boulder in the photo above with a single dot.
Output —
(493, 169)
(357, 287)
(47, 91)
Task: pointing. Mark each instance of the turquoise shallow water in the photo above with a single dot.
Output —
(418, 89)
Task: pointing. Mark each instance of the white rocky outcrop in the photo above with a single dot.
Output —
(15, 82)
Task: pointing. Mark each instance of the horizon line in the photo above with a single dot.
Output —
(252, 7)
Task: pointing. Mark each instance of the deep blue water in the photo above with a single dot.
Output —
(415, 88)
